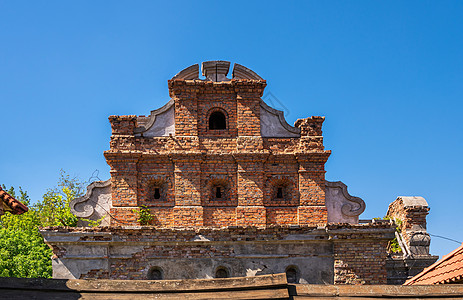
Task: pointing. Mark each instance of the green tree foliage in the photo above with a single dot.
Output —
(23, 253)
(54, 208)
(393, 245)
(22, 250)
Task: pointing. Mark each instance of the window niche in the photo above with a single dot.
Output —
(219, 190)
(281, 190)
(217, 120)
(222, 272)
(292, 274)
(155, 273)
(157, 190)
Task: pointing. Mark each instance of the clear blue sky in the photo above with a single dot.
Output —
(386, 74)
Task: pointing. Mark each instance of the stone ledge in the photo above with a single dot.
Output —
(380, 291)
(104, 285)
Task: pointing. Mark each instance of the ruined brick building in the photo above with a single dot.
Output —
(233, 190)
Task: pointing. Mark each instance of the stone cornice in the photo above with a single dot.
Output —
(122, 154)
(313, 156)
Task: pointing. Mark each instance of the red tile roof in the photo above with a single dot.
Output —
(13, 205)
(447, 270)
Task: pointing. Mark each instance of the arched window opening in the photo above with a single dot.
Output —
(157, 193)
(217, 120)
(280, 192)
(155, 273)
(218, 192)
(221, 272)
(156, 189)
(292, 275)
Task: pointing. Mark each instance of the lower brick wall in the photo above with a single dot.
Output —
(219, 216)
(177, 216)
(162, 216)
(340, 254)
(250, 216)
(360, 262)
(188, 216)
(282, 216)
(312, 215)
(124, 216)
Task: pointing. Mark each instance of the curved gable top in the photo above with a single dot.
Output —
(190, 73)
(241, 72)
(161, 122)
(342, 207)
(217, 70)
(273, 123)
(95, 204)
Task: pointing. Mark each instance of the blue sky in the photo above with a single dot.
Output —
(387, 76)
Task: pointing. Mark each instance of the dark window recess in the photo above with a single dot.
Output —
(291, 275)
(280, 192)
(221, 273)
(155, 274)
(218, 192)
(157, 193)
(217, 120)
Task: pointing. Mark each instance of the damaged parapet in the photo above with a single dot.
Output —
(315, 254)
(409, 213)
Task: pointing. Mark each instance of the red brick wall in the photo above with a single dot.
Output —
(406, 217)
(360, 262)
(360, 256)
(188, 166)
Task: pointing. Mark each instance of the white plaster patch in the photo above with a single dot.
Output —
(273, 123)
(251, 272)
(201, 238)
(163, 125)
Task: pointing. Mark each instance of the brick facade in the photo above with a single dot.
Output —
(187, 167)
(230, 186)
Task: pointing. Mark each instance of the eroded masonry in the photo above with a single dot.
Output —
(232, 190)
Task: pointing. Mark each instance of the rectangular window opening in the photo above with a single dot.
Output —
(218, 192)
(157, 193)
